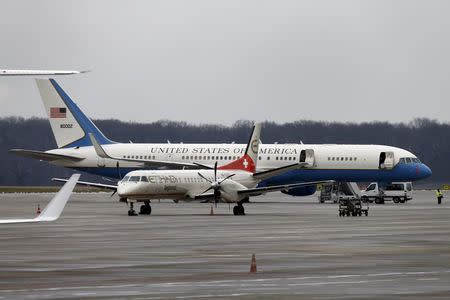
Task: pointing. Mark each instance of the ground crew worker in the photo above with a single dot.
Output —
(439, 196)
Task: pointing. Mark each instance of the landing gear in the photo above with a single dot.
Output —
(131, 211)
(239, 210)
(146, 209)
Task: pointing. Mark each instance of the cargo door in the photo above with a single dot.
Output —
(386, 160)
(307, 156)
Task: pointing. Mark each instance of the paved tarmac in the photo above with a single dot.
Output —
(303, 250)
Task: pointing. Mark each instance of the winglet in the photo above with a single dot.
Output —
(98, 149)
(54, 209)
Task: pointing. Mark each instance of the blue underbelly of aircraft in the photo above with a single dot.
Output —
(401, 172)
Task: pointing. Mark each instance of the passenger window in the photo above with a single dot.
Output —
(276, 157)
(268, 157)
(350, 158)
(285, 158)
(346, 158)
(355, 159)
(144, 178)
(342, 158)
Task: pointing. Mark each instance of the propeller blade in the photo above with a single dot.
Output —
(229, 176)
(215, 171)
(113, 193)
(199, 174)
(210, 188)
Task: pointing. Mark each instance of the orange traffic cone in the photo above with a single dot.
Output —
(38, 211)
(253, 265)
(211, 212)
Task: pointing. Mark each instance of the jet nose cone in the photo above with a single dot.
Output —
(425, 171)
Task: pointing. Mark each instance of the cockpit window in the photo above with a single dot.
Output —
(125, 178)
(144, 178)
(409, 160)
(135, 178)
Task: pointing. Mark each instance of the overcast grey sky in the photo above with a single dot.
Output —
(220, 61)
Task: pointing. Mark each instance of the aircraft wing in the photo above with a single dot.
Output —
(41, 155)
(102, 153)
(38, 72)
(262, 190)
(94, 184)
(277, 171)
(54, 208)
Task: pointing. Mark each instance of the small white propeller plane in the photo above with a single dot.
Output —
(234, 182)
(54, 208)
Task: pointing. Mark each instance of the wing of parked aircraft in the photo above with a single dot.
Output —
(263, 190)
(38, 72)
(54, 208)
(274, 188)
(278, 171)
(41, 155)
(102, 153)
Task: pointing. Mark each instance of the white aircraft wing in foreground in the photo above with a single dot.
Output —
(54, 208)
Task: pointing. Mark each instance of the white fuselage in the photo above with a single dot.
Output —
(182, 184)
(364, 157)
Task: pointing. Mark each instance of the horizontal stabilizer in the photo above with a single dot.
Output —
(93, 184)
(41, 155)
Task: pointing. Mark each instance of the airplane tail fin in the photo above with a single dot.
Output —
(249, 160)
(69, 124)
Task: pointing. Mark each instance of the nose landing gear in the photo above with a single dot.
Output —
(131, 211)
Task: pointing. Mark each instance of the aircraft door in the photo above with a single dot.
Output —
(386, 160)
(307, 156)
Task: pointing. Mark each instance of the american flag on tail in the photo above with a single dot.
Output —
(58, 112)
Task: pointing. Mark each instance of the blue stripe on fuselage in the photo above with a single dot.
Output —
(401, 172)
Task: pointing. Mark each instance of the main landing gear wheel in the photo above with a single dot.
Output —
(239, 210)
(146, 209)
(131, 211)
